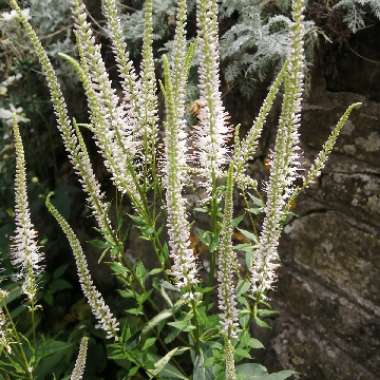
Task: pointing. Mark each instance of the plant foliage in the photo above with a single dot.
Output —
(178, 315)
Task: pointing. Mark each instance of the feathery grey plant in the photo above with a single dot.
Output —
(356, 12)
(256, 43)
(80, 364)
(25, 252)
(98, 306)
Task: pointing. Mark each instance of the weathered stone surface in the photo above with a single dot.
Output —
(297, 344)
(361, 136)
(328, 294)
(345, 256)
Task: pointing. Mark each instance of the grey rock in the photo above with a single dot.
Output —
(329, 286)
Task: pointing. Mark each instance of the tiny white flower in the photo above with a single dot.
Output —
(9, 16)
(24, 249)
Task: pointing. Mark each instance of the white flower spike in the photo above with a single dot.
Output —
(25, 252)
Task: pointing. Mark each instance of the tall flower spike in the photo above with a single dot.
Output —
(320, 161)
(179, 72)
(120, 125)
(149, 100)
(227, 272)
(130, 82)
(79, 158)
(214, 29)
(5, 338)
(184, 268)
(107, 117)
(250, 143)
(97, 203)
(227, 265)
(230, 360)
(292, 104)
(182, 57)
(99, 128)
(285, 163)
(212, 131)
(99, 308)
(24, 250)
(80, 364)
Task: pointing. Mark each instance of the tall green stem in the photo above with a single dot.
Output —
(214, 228)
(24, 361)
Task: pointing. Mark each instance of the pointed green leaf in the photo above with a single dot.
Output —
(165, 314)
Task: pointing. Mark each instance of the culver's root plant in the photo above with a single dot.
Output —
(190, 315)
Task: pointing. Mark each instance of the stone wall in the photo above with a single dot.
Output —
(329, 289)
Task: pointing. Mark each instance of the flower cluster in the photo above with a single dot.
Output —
(25, 251)
(320, 161)
(285, 162)
(130, 82)
(140, 94)
(230, 360)
(212, 131)
(250, 143)
(80, 364)
(98, 306)
(228, 266)
(180, 73)
(184, 268)
(112, 126)
(149, 101)
(79, 157)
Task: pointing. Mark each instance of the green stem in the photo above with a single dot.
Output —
(214, 228)
(156, 187)
(157, 310)
(33, 317)
(246, 204)
(24, 362)
(196, 334)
